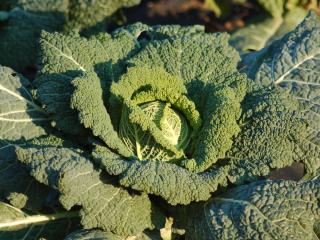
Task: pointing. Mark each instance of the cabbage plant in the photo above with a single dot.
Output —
(129, 130)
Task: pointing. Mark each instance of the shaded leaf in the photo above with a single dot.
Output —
(261, 210)
(261, 33)
(20, 116)
(292, 63)
(26, 25)
(80, 184)
(66, 57)
(16, 224)
(175, 184)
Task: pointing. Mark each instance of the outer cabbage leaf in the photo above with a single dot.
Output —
(290, 20)
(67, 57)
(255, 35)
(93, 114)
(161, 32)
(261, 33)
(261, 210)
(16, 224)
(20, 118)
(26, 25)
(175, 184)
(195, 57)
(292, 63)
(273, 7)
(84, 14)
(79, 183)
(79, 14)
(281, 17)
(42, 6)
(27, 18)
(271, 133)
(16, 184)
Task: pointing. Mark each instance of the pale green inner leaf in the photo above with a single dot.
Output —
(173, 126)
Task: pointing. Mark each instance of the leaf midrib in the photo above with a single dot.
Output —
(281, 78)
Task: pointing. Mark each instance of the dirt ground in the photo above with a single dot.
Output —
(189, 12)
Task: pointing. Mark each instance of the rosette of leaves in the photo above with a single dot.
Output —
(147, 111)
(21, 22)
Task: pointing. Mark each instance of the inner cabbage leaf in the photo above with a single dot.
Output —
(172, 124)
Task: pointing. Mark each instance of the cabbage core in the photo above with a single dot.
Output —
(173, 126)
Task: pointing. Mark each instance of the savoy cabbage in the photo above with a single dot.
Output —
(123, 131)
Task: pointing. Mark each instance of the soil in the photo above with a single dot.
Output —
(189, 12)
